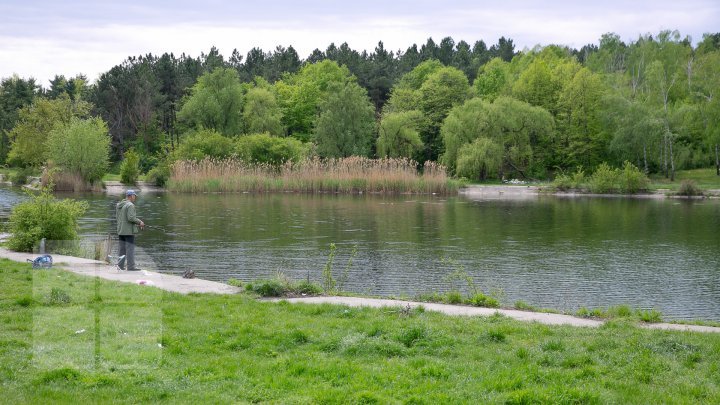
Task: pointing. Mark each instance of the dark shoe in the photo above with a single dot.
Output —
(134, 269)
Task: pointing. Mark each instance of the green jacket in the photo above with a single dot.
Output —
(127, 222)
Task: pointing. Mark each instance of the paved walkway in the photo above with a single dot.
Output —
(168, 282)
(462, 310)
(181, 285)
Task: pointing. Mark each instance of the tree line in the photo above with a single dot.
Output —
(484, 112)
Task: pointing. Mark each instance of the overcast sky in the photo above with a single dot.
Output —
(42, 38)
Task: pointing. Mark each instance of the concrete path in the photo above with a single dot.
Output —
(168, 282)
(461, 310)
(181, 285)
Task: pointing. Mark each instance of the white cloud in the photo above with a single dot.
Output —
(91, 41)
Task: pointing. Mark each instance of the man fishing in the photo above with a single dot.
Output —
(128, 224)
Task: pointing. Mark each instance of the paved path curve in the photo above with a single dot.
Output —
(181, 285)
(462, 310)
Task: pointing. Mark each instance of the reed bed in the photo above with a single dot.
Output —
(346, 175)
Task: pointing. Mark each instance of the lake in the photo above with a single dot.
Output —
(550, 252)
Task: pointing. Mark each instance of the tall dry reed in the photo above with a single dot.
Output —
(346, 175)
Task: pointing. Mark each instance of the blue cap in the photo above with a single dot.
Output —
(130, 192)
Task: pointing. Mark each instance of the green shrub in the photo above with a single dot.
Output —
(604, 180)
(689, 188)
(563, 182)
(130, 167)
(202, 144)
(574, 181)
(631, 179)
(43, 216)
(263, 148)
(160, 174)
(267, 288)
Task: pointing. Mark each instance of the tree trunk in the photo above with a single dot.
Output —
(717, 161)
(672, 163)
(645, 158)
(665, 165)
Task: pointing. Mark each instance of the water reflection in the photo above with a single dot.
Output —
(548, 252)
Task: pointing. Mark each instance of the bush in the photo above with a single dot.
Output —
(631, 179)
(263, 148)
(689, 188)
(604, 180)
(267, 288)
(43, 216)
(82, 147)
(575, 181)
(202, 144)
(160, 174)
(130, 167)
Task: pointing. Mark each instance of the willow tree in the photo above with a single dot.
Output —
(398, 134)
(346, 124)
(215, 102)
(516, 127)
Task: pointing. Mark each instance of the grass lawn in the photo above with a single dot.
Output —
(67, 338)
(706, 179)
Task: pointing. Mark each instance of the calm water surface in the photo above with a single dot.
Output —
(561, 253)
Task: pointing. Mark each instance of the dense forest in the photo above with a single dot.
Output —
(483, 112)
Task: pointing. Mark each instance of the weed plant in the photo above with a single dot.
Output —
(621, 312)
(207, 348)
(689, 188)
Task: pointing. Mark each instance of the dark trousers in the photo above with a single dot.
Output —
(127, 248)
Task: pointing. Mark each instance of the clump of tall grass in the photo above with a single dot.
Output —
(346, 175)
(689, 188)
(62, 180)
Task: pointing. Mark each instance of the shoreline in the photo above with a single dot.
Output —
(178, 284)
(502, 191)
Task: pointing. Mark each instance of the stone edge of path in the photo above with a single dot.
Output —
(461, 310)
(172, 283)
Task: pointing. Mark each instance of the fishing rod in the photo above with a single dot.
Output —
(160, 228)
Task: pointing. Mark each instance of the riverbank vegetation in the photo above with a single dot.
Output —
(45, 217)
(605, 180)
(72, 338)
(484, 112)
(347, 175)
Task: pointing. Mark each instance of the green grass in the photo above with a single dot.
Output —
(706, 179)
(67, 338)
